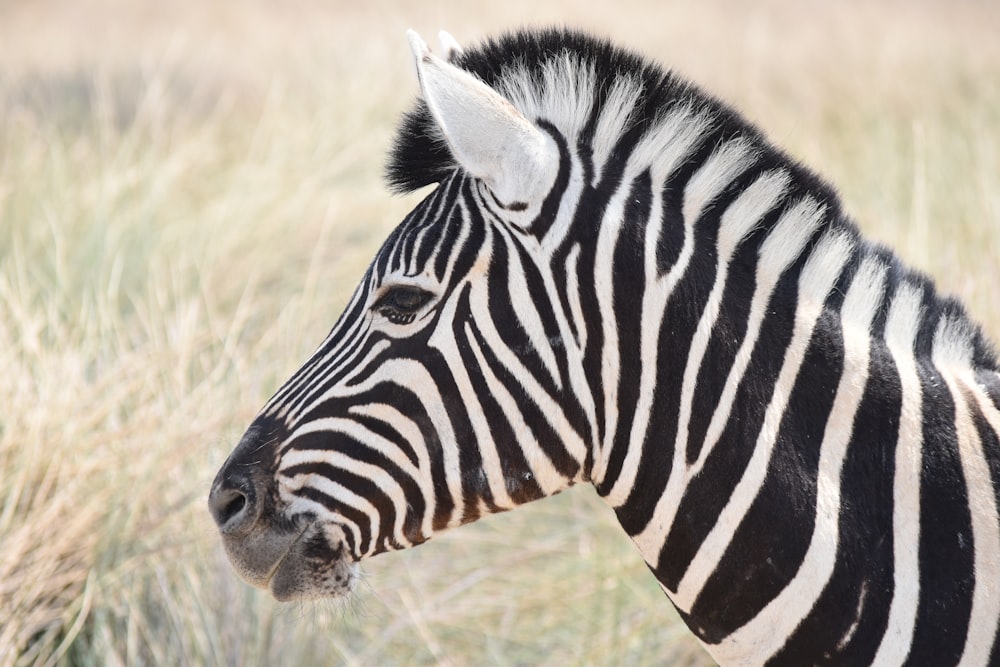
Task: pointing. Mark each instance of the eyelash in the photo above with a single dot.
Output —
(390, 306)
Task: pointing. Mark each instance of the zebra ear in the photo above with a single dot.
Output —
(488, 137)
(449, 46)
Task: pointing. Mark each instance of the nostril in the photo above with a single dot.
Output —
(232, 508)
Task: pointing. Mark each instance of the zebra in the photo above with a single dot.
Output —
(616, 279)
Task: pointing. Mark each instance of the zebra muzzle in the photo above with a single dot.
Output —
(293, 555)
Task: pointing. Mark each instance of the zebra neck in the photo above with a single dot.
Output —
(780, 383)
(696, 275)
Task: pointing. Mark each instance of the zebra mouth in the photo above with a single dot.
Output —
(308, 562)
(316, 565)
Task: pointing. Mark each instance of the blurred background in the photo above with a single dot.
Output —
(189, 191)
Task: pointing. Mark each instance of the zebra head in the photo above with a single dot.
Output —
(441, 393)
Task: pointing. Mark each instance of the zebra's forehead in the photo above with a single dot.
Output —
(422, 243)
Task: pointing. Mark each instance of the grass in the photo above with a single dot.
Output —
(188, 193)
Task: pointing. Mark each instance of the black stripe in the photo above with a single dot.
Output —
(503, 313)
(770, 543)
(708, 493)
(352, 515)
(946, 550)
(475, 486)
(466, 254)
(991, 449)
(548, 440)
(671, 241)
(541, 225)
(863, 573)
(629, 261)
(730, 327)
(337, 370)
(299, 384)
(326, 374)
(359, 451)
(657, 454)
(572, 407)
(432, 227)
(720, 354)
(520, 484)
(512, 459)
(684, 309)
(387, 430)
(453, 224)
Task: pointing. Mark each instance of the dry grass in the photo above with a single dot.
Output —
(186, 188)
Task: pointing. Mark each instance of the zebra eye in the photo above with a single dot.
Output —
(400, 304)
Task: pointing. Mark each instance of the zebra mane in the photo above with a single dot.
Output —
(597, 94)
(565, 77)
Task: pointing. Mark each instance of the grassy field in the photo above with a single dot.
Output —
(188, 193)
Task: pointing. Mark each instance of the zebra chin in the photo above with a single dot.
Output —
(314, 567)
(299, 565)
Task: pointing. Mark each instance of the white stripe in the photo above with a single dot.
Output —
(310, 400)
(465, 231)
(545, 475)
(444, 340)
(411, 433)
(768, 631)
(347, 497)
(413, 268)
(737, 222)
(526, 312)
(654, 303)
(484, 444)
(778, 251)
(648, 353)
(566, 213)
(378, 476)
(443, 208)
(604, 280)
(616, 112)
(952, 355)
(664, 147)
(817, 279)
(573, 295)
(579, 387)
(983, 501)
(550, 407)
(727, 162)
(744, 214)
(570, 109)
(900, 336)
